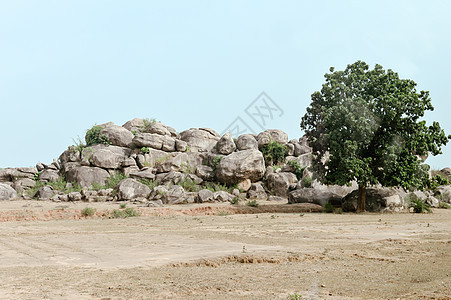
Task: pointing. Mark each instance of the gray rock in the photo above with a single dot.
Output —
(226, 145)
(205, 172)
(247, 164)
(236, 192)
(200, 140)
(70, 155)
(158, 192)
(269, 171)
(311, 195)
(290, 149)
(39, 167)
(155, 203)
(300, 149)
(117, 135)
(49, 175)
(7, 192)
(376, 200)
(175, 195)
(443, 193)
(86, 176)
(257, 191)
(272, 135)
(222, 196)
(432, 201)
(181, 146)
(277, 199)
(204, 196)
(109, 157)
(45, 193)
(447, 171)
(278, 183)
(13, 174)
(146, 173)
(155, 141)
(246, 142)
(244, 185)
(74, 196)
(158, 128)
(184, 162)
(21, 184)
(136, 125)
(130, 189)
(304, 160)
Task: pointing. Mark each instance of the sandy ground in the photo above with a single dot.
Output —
(48, 251)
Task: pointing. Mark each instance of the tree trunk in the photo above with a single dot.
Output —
(361, 201)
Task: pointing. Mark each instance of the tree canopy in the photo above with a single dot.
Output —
(366, 126)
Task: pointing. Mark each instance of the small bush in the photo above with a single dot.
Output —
(145, 150)
(222, 213)
(252, 203)
(93, 136)
(235, 201)
(444, 205)
(418, 205)
(189, 185)
(216, 162)
(328, 208)
(187, 168)
(88, 212)
(149, 182)
(114, 180)
(216, 187)
(126, 213)
(294, 296)
(274, 153)
(307, 182)
(297, 169)
(146, 124)
(123, 205)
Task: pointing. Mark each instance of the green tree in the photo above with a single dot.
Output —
(365, 126)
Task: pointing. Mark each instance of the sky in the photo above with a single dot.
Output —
(68, 65)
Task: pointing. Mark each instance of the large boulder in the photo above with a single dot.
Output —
(315, 196)
(155, 141)
(117, 135)
(108, 157)
(130, 189)
(134, 125)
(247, 164)
(376, 200)
(158, 128)
(12, 174)
(205, 172)
(175, 195)
(443, 193)
(257, 191)
(183, 162)
(200, 140)
(246, 142)
(49, 175)
(7, 192)
(45, 193)
(272, 135)
(86, 176)
(278, 183)
(226, 145)
(204, 196)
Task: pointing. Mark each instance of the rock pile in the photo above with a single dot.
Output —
(151, 163)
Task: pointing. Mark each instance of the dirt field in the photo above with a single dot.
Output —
(47, 251)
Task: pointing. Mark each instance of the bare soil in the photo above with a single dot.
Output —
(50, 251)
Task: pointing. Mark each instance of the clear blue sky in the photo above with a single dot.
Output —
(66, 65)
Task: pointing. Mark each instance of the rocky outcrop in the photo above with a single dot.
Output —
(85, 176)
(117, 135)
(272, 135)
(278, 183)
(312, 195)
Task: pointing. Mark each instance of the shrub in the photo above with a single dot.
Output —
(294, 296)
(328, 208)
(149, 182)
(216, 162)
(418, 205)
(114, 180)
(147, 122)
(252, 203)
(307, 182)
(444, 205)
(123, 205)
(145, 150)
(189, 185)
(298, 170)
(88, 212)
(93, 136)
(235, 201)
(216, 187)
(126, 213)
(274, 153)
